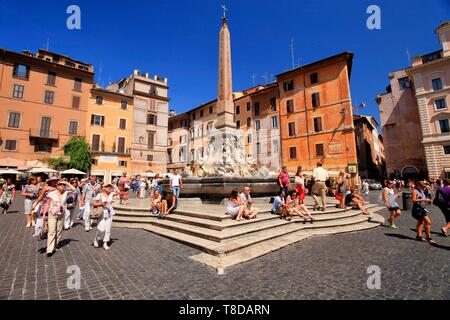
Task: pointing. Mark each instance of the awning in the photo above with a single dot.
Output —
(42, 170)
(73, 171)
(10, 171)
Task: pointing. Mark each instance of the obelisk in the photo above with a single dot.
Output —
(225, 104)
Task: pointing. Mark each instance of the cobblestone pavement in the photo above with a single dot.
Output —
(141, 265)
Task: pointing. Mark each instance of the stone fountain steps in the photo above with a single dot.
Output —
(258, 249)
(252, 245)
(219, 231)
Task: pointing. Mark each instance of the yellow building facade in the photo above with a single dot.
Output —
(109, 133)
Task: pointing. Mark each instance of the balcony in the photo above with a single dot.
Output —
(40, 133)
(110, 150)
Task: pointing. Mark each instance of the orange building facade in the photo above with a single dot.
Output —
(316, 115)
(43, 103)
(303, 118)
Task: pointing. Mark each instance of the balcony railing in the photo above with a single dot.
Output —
(114, 150)
(44, 134)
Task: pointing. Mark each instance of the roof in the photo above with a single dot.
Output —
(347, 54)
(111, 92)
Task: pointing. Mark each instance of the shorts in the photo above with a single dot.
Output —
(446, 212)
(233, 212)
(278, 211)
(27, 206)
(392, 209)
(419, 213)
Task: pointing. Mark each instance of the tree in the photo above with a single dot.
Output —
(59, 163)
(80, 154)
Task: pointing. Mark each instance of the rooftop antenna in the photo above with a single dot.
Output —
(48, 44)
(100, 74)
(409, 56)
(292, 53)
(266, 77)
(254, 79)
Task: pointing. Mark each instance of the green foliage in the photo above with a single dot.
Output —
(59, 163)
(80, 154)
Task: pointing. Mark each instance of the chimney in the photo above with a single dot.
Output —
(443, 33)
(136, 72)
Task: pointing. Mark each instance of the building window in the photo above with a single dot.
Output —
(437, 84)
(257, 125)
(99, 100)
(150, 157)
(46, 123)
(210, 109)
(404, 83)
(290, 106)
(192, 133)
(123, 124)
(291, 129)
(249, 138)
(256, 107)
(440, 104)
(21, 71)
(315, 99)
(151, 119)
(49, 95)
(238, 110)
(121, 145)
(10, 145)
(150, 140)
(18, 91)
(183, 139)
(169, 155)
(275, 147)
(209, 127)
(201, 113)
(51, 78)
(273, 104)
(73, 127)
(169, 141)
(43, 147)
(318, 124)
(14, 120)
(184, 123)
(75, 102)
(293, 153)
(444, 126)
(249, 122)
(249, 106)
(77, 84)
(97, 120)
(95, 145)
(193, 116)
(274, 122)
(122, 163)
(447, 150)
(288, 85)
(124, 105)
(314, 77)
(258, 148)
(238, 124)
(319, 150)
(94, 162)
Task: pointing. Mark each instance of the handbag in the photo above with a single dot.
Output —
(439, 200)
(96, 213)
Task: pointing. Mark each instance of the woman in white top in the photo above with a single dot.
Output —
(390, 202)
(236, 208)
(156, 202)
(300, 184)
(105, 199)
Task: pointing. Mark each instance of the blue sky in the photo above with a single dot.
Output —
(179, 39)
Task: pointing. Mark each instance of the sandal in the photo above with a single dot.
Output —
(419, 238)
(444, 233)
(431, 241)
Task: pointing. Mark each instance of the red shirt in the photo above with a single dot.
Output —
(284, 177)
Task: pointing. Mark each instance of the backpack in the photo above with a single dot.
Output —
(439, 200)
